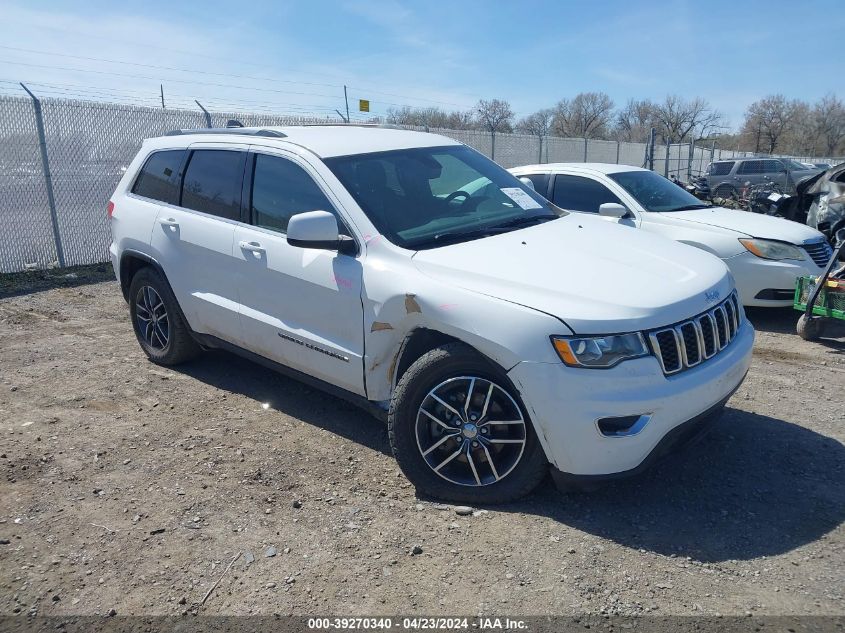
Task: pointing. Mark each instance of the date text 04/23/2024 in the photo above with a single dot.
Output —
(418, 623)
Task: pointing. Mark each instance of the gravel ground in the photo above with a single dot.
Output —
(131, 487)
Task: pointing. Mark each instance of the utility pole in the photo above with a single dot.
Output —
(346, 98)
(162, 96)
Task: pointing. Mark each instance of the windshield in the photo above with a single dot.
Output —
(656, 193)
(426, 197)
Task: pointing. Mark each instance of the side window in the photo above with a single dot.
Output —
(577, 193)
(773, 166)
(540, 182)
(213, 182)
(750, 167)
(721, 169)
(159, 177)
(281, 189)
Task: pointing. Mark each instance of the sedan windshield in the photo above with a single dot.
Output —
(656, 193)
(426, 197)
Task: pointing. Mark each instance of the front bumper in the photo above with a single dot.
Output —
(755, 275)
(565, 404)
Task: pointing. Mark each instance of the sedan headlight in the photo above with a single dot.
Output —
(599, 351)
(770, 249)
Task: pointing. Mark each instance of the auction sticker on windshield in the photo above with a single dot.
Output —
(521, 198)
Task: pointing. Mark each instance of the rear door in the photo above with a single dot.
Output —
(751, 171)
(299, 307)
(194, 237)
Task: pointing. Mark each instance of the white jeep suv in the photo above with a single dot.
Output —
(496, 333)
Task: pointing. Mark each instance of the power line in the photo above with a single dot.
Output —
(176, 100)
(219, 74)
(103, 92)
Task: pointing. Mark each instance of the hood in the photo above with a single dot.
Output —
(595, 276)
(749, 224)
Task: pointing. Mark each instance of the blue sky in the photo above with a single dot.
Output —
(296, 56)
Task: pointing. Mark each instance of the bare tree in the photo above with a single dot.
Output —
(635, 120)
(430, 117)
(461, 120)
(538, 123)
(767, 120)
(828, 119)
(587, 115)
(495, 115)
(679, 120)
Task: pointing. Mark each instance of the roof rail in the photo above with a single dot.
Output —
(246, 131)
(383, 126)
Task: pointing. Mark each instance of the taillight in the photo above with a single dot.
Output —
(110, 209)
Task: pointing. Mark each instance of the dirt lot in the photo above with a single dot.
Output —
(131, 487)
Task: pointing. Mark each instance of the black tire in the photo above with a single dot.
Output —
(433, 369)
(810, 329)
(168, 341)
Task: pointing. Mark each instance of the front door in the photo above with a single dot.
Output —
(299, 307)
(580, 193)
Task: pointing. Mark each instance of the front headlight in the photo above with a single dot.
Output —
(599, 351)
(770, 249)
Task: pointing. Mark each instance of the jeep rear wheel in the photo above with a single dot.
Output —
(158, 323)
(459, 432)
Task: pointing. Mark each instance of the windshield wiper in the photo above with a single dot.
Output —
(691, 207)
(525, 221)
(455, 236)
(485, 231)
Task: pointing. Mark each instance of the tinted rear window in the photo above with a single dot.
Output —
(721, 169)
(213, 182)
(159, 177)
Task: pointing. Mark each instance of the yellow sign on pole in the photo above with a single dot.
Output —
(364, 105)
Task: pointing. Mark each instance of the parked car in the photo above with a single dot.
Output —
(496, 333)
(764, 253)
(822, 166)
(727, 177)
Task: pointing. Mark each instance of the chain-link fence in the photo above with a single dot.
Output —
(60, 161)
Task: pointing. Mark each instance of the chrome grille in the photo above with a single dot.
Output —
(692, 342)
(819, 252)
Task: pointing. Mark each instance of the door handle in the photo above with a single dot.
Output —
(168, 222)
(253, 247)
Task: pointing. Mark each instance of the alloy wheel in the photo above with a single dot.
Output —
(470, 431)
(152, 319)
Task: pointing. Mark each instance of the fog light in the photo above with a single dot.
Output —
(623, 426)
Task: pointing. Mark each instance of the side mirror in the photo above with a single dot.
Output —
(613, 210)
(318, 229)
(527, 182)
